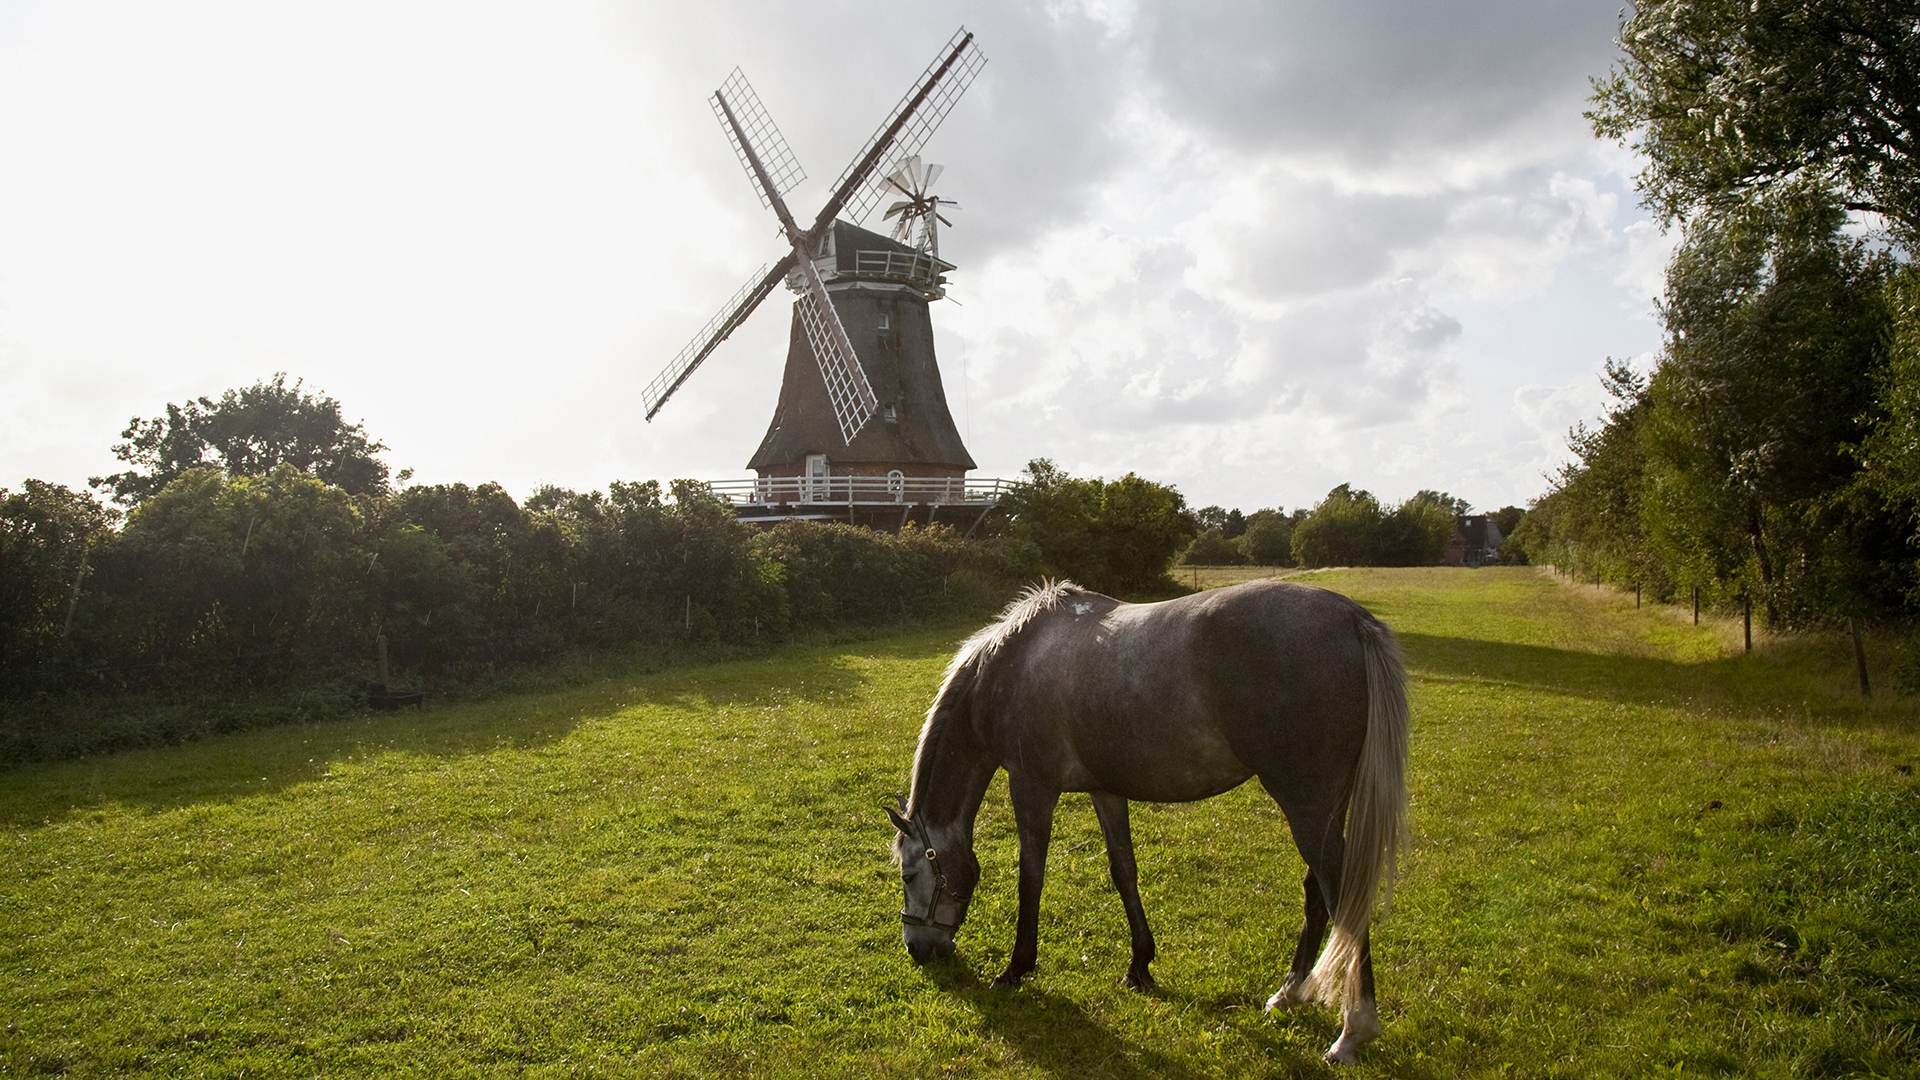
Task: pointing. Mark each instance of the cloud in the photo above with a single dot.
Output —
(1390, 86)
(1253, 249)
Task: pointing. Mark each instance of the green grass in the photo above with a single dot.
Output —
(1635, 852)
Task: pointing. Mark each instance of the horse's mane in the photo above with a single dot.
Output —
(987, 641)
(1013, 618)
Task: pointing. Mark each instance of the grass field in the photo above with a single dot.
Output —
(1635, 852)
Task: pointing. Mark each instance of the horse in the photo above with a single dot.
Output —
(1177, 701)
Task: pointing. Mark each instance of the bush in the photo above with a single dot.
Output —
(1268, 540)
(1213, 549)
(1116, 536)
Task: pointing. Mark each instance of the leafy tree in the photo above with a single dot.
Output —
(46, 534)
(1590, 522)
(248, 432)
(1340, 531)
(1211, 548)
(260, 576)
(1733, 101)
(1776, 332)
(1892, 450)
(1417, 532)
(1142, 526)
(1115, 536)
(1455, 507)
(1507, 518)
(1268, 540)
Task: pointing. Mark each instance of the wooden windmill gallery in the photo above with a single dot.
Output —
(862, 432)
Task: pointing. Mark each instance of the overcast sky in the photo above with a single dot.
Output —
(1249, 248)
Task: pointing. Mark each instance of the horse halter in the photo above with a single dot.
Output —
(931, 918)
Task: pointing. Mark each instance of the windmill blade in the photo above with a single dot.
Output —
(907, 129)
(717, 330)
(854, 401)
(755, 126)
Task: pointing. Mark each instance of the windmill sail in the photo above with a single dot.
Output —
(755, 137)
(907, 128)
(852, 395)
(717, 330)
(774, 170)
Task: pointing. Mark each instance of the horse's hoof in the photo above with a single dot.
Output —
(1141, 981)
(1362, 1026)
(1292, 992)
(1009, 979)
(1342, 1055)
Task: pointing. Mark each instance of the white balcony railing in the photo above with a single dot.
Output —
(861, 491)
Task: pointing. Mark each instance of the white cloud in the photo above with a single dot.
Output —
(1252, 249)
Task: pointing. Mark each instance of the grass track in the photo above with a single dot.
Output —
(1635, 853)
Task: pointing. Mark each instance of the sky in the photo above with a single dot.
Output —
(1252, 249)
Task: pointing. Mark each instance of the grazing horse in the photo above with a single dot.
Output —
(1172, 702)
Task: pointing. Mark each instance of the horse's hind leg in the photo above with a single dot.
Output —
(1294, 991)
(1114, 826)
(1361, 1024)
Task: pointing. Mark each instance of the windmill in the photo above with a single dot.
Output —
(919, 212)
(861, 343)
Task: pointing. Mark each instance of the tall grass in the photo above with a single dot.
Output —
(1636, 852)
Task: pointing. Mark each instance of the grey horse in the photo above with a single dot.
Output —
(1171, 702)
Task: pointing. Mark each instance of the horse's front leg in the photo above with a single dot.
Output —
(1118, 832)
(1033, 806)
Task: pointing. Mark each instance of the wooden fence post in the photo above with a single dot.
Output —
(1859, 656)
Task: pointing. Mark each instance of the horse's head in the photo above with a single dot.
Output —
(938, 883)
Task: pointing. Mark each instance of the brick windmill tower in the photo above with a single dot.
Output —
(862, 421)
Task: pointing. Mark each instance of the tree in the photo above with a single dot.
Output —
(1776, 332)
(1115, 536)
(1212, 549)
(1268, 540)
(248, 432)
(1418, 531)
(1733, 101)
(259, 575)
(1590, 522)
(1340, 531)
(46, 535)
(1892, 450)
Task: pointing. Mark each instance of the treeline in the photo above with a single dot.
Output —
(1347, 528)
(1771, 457)
(257, 579)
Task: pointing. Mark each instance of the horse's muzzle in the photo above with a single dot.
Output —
(924, 946)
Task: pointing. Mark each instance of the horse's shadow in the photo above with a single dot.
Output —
(1058, 1035)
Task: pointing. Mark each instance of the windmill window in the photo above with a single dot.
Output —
(887, 414)
(885, 323)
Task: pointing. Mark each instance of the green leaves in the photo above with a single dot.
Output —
(248, 432)
(1117, 536)
(1733, 101)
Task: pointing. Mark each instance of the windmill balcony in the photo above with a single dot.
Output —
(885, 502)
(915, 268)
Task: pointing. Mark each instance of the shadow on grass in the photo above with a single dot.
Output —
(264, 761)
(1058, 1035)
(1759, 680)
(1054, 1033)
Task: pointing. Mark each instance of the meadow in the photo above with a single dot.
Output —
(1635, 851)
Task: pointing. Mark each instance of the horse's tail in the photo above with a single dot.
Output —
(1376, 816)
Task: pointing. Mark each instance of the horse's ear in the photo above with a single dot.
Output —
(899, 821)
